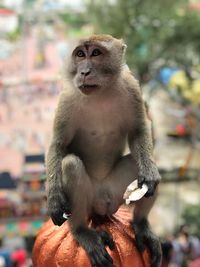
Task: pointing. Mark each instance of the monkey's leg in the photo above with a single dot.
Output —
(123, 174)
(78, 186)
(143, 233)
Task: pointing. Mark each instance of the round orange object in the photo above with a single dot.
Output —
(55, 246)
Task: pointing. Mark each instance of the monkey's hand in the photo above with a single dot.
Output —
(149, 175)
(57, 205)
(145, 237)
(94, 242)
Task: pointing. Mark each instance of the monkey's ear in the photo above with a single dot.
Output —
(124, 46)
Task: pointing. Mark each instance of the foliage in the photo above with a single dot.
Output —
(191, 217)
(75, 20)
(152, 29)
(14, 35)
(184, 41)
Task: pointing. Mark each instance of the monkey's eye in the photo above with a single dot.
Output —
(80, 53)
(96, 52)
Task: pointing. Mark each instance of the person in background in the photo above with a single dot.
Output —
(186, 248)
(195, 263)
(2, 262)
(19, 257)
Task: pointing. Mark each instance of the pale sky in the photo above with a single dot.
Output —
(11, 3)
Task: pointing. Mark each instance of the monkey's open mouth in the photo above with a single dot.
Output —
(88, 88)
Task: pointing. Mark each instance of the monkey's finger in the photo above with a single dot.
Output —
(149, 193)
(107, 240)
(151, 188)
(141, 180)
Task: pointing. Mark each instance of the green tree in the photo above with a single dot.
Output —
(184, 40)
(75, 20)
(148, 27)
(191, 217)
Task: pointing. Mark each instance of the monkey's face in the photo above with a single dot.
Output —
(96, 64)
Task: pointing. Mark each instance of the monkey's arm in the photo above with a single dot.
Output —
(57, 201)
(141, 150)
(141, 146)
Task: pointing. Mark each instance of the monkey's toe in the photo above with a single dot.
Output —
(57, 205)
(95, 242)
(156, 260)
(57, 218)
(154, 247)
(145, 237)
(107, 239)
(100, 257)
(56, 214)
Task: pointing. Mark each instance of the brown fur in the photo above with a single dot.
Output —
(100, 112)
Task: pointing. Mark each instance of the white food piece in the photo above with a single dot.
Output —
(134, 193)
(66, 216)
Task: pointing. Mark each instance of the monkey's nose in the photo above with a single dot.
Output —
(85, 72)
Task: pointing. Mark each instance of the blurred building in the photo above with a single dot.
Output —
(8, 20)
(23, 201)
(14, 4)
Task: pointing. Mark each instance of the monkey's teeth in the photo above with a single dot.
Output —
(134, 193)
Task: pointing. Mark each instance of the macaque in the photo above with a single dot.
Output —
(100, 112)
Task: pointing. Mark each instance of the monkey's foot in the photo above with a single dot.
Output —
(145, 237)
(94, 242)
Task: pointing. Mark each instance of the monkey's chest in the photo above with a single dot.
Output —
(101, 133)
(100, 137)
(100, 140)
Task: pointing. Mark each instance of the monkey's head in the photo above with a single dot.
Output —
(96, 63)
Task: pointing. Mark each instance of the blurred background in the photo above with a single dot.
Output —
(163, 39)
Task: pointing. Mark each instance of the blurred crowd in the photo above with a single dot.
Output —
(17, 258)
(181, 250)
(14, 252)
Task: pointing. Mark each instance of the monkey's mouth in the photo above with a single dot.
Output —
(88, 88)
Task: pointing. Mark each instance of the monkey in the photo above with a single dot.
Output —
(100, 111)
